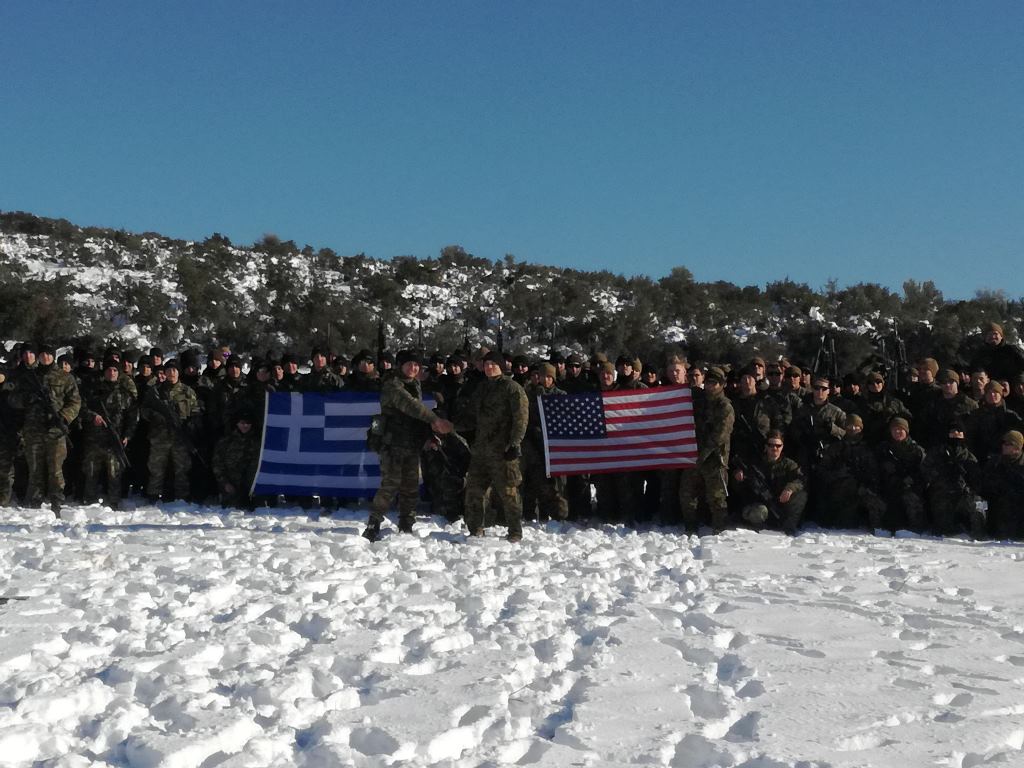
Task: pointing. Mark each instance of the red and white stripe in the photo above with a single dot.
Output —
(648, 429)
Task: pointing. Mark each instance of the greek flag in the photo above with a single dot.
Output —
(315, 445)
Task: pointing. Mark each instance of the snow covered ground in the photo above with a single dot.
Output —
(185, 637)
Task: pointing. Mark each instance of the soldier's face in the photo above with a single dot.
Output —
(278, 372)
(319, 361)
(29, 358)
(410, 369)
(549, 382)
(1011, 450)
(950, 388)
(492, 370)
(234, 371)
(365, 366)
(45, 358)
(455, 369)
(993, 396)
(696, 376)
(574, 369)
(748, 385)
(244, 426)
(820, 393)
(993, 337)
(925, 375)
(897, 433)
(171, 374)
(607, 378)
(110, 374)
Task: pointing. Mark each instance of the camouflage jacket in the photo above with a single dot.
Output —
(179, 397)
(323, 380)
(407, 418)
(31, 385)
(120, 407)
(235, 459)
(499, 412)
(714, 418)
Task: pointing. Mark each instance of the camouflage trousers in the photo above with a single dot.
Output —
(953, 509)
(539, 490)
(851, 504)
(399, 476)
(164, 456)
(45, 456)
(707, 481)
(8, 453)
(503, 477)
(100, 465)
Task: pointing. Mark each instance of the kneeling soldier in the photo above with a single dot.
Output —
(772, 489)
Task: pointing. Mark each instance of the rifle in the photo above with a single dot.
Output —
(122, 457)
(181, 431)
(900, 357)
(42, 396)
(381, 338)
(759, 486)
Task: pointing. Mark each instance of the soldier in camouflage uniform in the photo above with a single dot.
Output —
(407, 426)
(499, 414)
(320, 377)
(1002, 485)
(543, 496)
(168, 449)
(235, 461)
(713, 421)
(951, 475)
(899, 464)
(101, 399)
(50, 399)
(10, 438)
(849, 480)
(229, 395)
(771, 489)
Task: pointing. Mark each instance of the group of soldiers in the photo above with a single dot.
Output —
(927, 448)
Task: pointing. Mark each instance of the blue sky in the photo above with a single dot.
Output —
(747, 141)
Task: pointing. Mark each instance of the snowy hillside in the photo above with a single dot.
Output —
(89, 286)
(184, 637)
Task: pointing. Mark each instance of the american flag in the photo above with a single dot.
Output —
(618, 431)
(315, 445)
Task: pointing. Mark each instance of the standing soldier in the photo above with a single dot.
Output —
(170, 409)
(407, 426)
(499, 413)
(364, 377)
(228, 395)
(320, 377)
(539, 490)
(713, 417)
(235, 461)
(107, 410)
(10, 438)
(50, 399)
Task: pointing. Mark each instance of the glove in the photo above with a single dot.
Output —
(513, 452)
